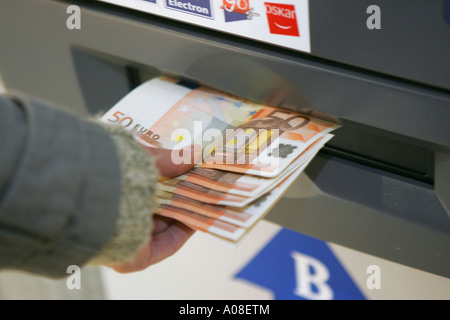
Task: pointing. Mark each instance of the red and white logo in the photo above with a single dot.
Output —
(241, 6)
(282, 19)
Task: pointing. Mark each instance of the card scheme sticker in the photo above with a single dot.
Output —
(282, 19)
(198, 7)
(282, 23)
(238, 10)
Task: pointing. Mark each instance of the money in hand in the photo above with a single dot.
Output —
(252, 153)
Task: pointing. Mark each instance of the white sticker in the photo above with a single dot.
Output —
(283, 23)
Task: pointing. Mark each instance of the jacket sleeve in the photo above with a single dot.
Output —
(60, 184)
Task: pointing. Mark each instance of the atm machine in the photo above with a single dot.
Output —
(380, 68)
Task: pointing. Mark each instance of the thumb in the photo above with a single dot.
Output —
(168, 161)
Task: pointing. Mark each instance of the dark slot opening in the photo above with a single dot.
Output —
(380, 150)
(104, 80)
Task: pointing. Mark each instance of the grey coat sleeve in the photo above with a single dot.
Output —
(59, 188)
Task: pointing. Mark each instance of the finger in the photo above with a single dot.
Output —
(167, 167)
(162, 246)
(165, 244)
(142, 258)
(160, 223)
(139, 263)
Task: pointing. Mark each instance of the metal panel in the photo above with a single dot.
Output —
(381, 214)
(413, 42)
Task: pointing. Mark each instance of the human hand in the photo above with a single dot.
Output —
(168, 235)
(166, 166)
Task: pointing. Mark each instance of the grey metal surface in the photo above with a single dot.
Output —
(92, 74)
(376, 214)
(413, 42)
(368, 210)
(442, 179)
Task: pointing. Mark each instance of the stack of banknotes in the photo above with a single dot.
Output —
(252, 153)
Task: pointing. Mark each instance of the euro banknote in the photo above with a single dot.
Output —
(204, 189)
(252, 152)
(236, 135)
(243, 184)
(226, 223)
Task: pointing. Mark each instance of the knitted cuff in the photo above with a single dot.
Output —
(137, 203)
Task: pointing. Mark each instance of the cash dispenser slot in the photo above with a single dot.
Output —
(355, 142)
(369, 147)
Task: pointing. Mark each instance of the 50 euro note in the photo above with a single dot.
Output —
(225, 223)
(205, 191)
(236, 135)
(268, 143)
(241, 184)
